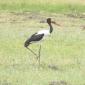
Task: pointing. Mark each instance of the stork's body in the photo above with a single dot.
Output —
(39, 35)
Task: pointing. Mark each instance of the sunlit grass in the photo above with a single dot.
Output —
(65, 49)
(40, 5)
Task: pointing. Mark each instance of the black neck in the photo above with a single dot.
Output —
(51, 28)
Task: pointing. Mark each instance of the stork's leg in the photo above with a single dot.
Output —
(32, 51)
(39, 54)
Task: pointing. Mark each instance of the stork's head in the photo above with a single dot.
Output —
(49, 21)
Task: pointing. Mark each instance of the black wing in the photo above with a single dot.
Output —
(34, 37)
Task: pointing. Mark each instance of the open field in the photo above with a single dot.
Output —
(63, 53)
(40, 5)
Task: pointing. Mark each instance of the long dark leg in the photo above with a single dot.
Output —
(39, 55)
(32, 52)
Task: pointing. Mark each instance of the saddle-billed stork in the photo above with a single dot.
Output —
(38, 36)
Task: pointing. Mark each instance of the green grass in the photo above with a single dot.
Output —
(65, 49)
(38, 6)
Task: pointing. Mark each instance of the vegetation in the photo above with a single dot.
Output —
(62, 56)
(40, 5)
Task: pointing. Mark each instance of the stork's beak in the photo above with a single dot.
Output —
(55, 23)
(44, 21)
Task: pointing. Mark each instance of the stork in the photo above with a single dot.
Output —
(38, 36)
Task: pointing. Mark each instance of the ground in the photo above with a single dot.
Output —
(62, 54)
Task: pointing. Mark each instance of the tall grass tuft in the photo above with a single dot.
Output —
(47, 5)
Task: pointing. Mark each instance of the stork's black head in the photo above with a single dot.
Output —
(48, 20)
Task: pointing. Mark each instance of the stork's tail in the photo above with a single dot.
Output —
(27, 43)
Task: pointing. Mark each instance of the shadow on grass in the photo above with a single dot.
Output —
(62, 82)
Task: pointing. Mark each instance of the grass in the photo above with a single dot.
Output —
(65, 49)
(40, 5)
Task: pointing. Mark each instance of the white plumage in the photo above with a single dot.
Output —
(45, 32)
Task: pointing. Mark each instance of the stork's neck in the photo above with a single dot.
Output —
(51, 28)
